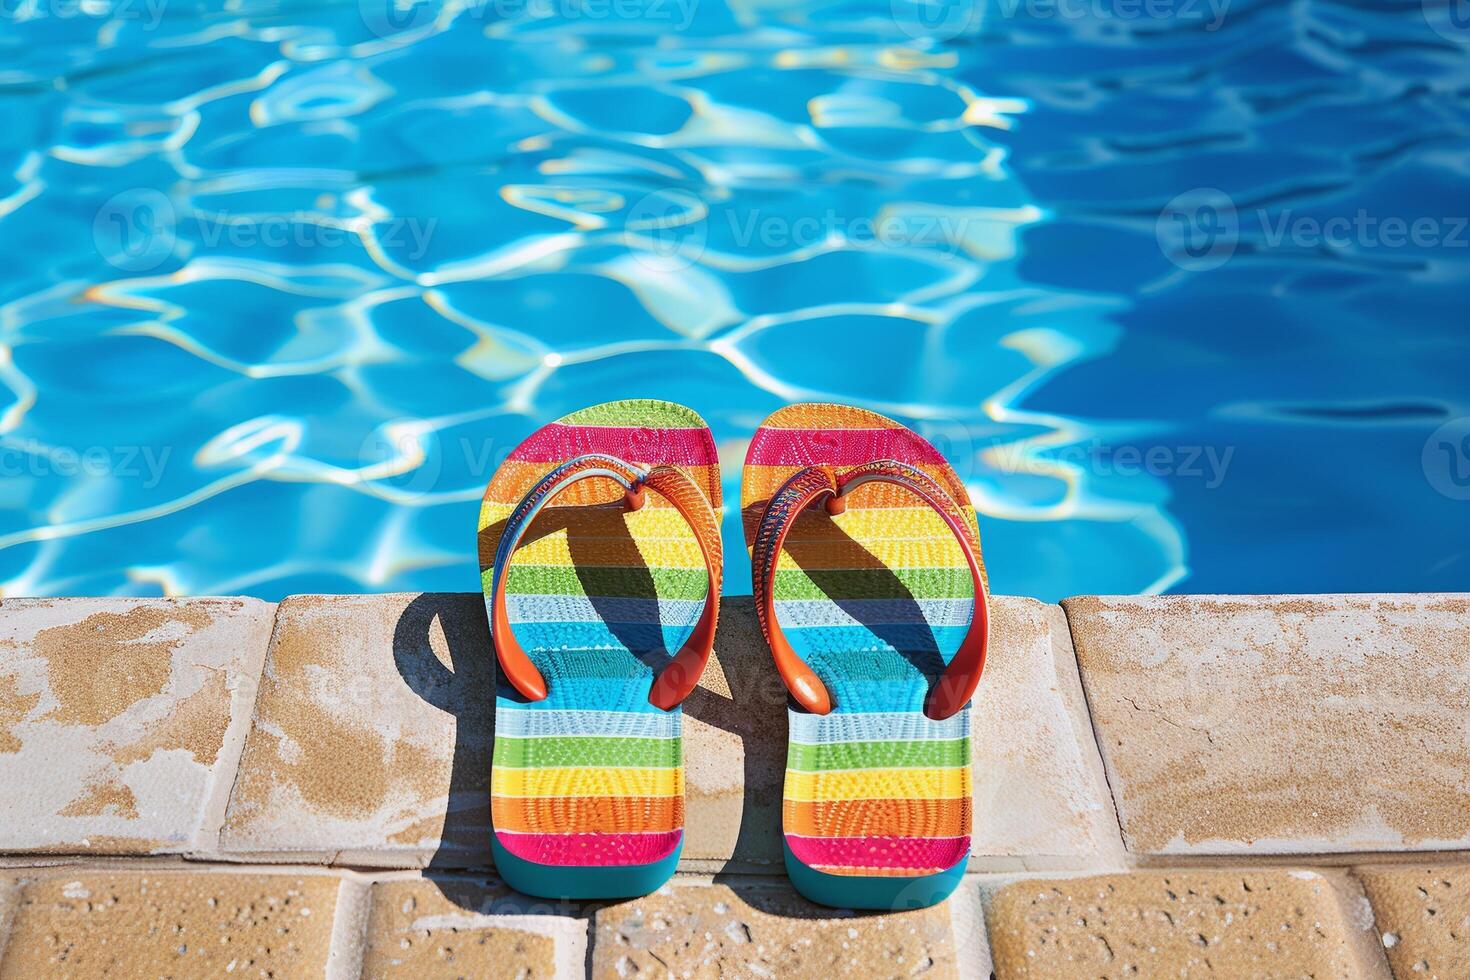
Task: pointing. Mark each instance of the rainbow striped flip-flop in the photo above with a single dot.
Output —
(873, 603)
(592, 576)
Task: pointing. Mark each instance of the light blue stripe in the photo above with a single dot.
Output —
(857, 639)
(518, 722)
(806, 613)
(554, 636)
(618, 694)
(522, 608)
(875, 726)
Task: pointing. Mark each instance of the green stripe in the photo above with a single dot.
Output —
(649, 412)
(587, 750)
(604, 581)
(919, 583)
(921, 754)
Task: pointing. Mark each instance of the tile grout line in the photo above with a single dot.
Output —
(1349, 888)
(351, 917)
(217, 804)
(10, 899)
(1097, 743)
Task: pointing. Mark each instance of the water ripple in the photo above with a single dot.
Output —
(287, 281)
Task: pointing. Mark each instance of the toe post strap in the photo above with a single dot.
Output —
(679, 677)
(824, 483)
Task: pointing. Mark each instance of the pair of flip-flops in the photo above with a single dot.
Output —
(603, 606)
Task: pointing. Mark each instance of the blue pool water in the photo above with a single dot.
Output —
(1180, 286)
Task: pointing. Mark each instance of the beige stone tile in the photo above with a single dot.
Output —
(1423, 919)
(94, 923)
(765, 929)
(1246, 924)
(1281, 724)
(121, 719)
(469, 927)
(372, 711)
(1040, 792)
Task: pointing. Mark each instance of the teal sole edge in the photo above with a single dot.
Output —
(882, 894)
(577, 882)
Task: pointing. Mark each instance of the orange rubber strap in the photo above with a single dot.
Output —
(957, 684)
(678, 678)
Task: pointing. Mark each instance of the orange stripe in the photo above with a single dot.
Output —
(585, 815)
(821, 416)
(877, 818)
(761, 482)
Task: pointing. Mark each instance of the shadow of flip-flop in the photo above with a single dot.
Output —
(861, 585)
(464, 689)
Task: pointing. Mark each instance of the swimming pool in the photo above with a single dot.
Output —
(1179, 286)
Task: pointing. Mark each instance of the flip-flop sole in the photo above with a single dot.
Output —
(587, 786)
(877, 806)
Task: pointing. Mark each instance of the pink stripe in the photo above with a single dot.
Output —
(555, 443)
(880, 852)
(591, 850)
(842, 447)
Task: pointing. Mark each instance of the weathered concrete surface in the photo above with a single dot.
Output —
(766, 931)
(1423, 918)
(371, 736)
(121, 719)
(1180, 924)
(1281, 724)
(470, 927)
(96, 922)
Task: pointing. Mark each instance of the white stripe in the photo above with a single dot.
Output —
(534, 722)
(813, 613)
(524, 608)
(878, 726)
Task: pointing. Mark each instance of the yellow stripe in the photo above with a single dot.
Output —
(554, 551)
(903, 523)
(611, 781)
(878, 784)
